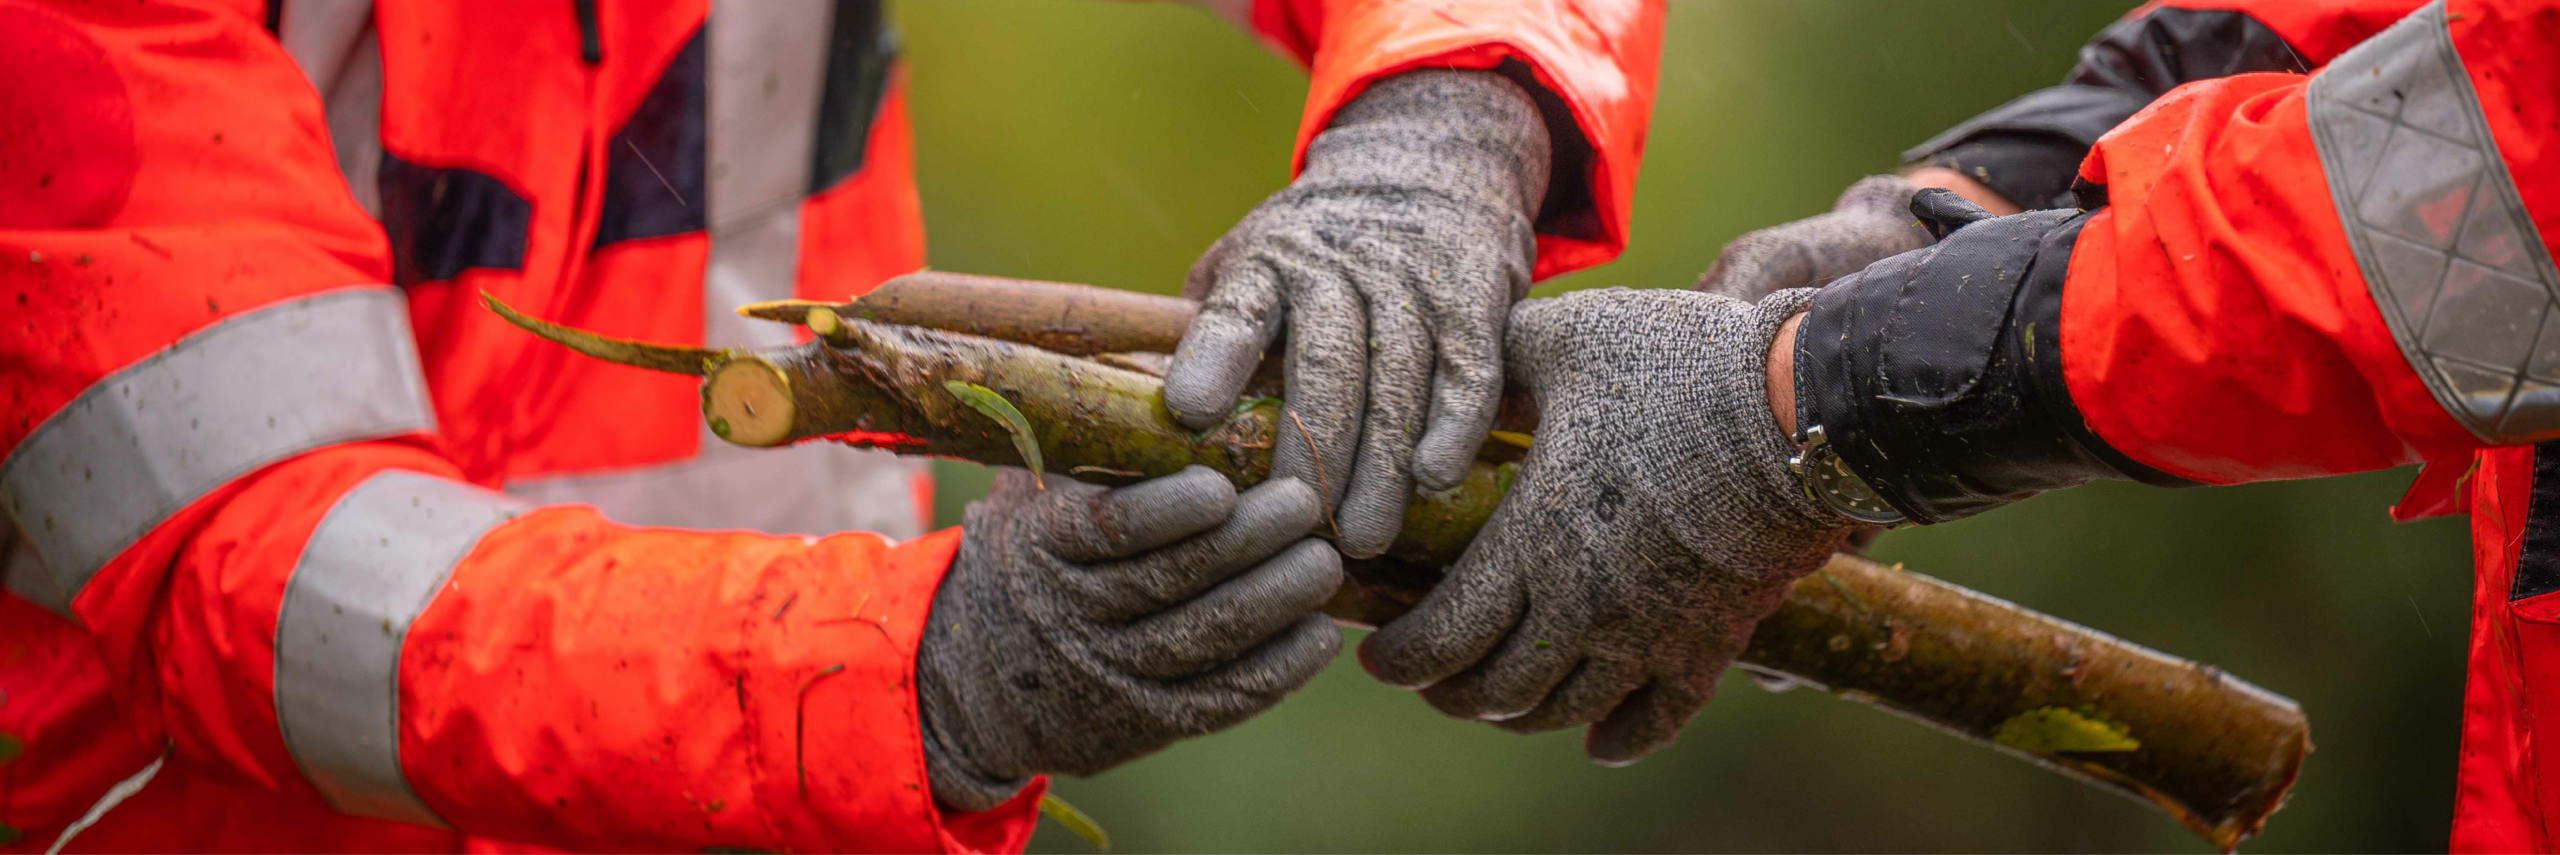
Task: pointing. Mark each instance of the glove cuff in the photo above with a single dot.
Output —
(1743, 439)
(955, 788)
(1759, 434)
(947, 664)
(1474, 135)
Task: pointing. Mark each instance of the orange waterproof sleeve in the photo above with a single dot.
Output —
(2303, 276)
(1595, 59)
(215, 435)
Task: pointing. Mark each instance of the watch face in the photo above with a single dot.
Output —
(1828, 479)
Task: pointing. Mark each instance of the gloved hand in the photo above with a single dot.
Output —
(1393, 261)
(1871, 222)
(1652, 525)
(1082, 627)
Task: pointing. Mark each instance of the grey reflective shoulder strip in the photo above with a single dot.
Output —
(376, 562)
(2453, 259)
(255, 388)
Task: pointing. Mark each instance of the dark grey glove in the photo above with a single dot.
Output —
(1394, 259)
(1082, 627)
(1871, 222)
(1652, 525)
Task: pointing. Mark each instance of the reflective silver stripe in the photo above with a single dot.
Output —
(376, 562)
(768, 66)
(24, 574)
(817, 488)
(768, 63)
(250, 390)
(335, 43)
(2444, 242)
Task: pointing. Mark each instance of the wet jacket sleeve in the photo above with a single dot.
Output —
(2029, 149)
(1590, 65)
(2278, 276)
(217, 438)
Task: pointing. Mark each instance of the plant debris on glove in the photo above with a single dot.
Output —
(1871, 222)
(1393, 261)
(1653, 524)
(1082, 627)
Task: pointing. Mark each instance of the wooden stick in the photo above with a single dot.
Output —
(2216, 753)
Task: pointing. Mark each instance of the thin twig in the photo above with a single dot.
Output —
(1325, 495)
(800, 726)
(653, 170)
(786, 606)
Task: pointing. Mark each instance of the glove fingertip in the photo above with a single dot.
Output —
(1370, 518)
(1208, 370)
(1440, 460)
(1427, 645)
(1648, 721)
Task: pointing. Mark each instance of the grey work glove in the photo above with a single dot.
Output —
(1082, 627)
(1871, 222)
(1652, 525)
(1392, 261)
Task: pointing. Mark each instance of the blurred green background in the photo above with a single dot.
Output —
(1110, 143)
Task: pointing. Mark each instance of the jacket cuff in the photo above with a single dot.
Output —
(1593, 84)
(2028, 150)
(1006, 828)
(1938, 373)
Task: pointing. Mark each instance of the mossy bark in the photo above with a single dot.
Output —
(2216, 753)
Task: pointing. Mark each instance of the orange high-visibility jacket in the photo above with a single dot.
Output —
(2320, 240)
(319, 555)
(2301, 276)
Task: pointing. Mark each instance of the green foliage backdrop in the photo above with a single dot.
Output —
(1110, 143)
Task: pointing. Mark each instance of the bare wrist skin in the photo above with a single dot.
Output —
(1963, 185)
(1782, 375)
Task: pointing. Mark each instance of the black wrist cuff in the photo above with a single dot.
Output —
(1938, 376)
(2029, 149)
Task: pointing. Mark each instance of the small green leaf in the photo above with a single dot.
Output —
(1503, 475)
(1509, 437)
(8, 835)
(1075, 821)
(10, 747)
(2056, 730)
(994, 406)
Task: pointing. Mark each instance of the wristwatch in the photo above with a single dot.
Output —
(1827, 479)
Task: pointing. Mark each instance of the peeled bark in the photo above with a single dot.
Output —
(2215, 752)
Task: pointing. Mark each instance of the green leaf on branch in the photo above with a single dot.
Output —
(1074, 820)
(10, 747)
(2058, 730)
(994, 406)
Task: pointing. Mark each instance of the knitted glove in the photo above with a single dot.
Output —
(1653, 523)
(1872, 221)
(1082, 627)
(1393, 261)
